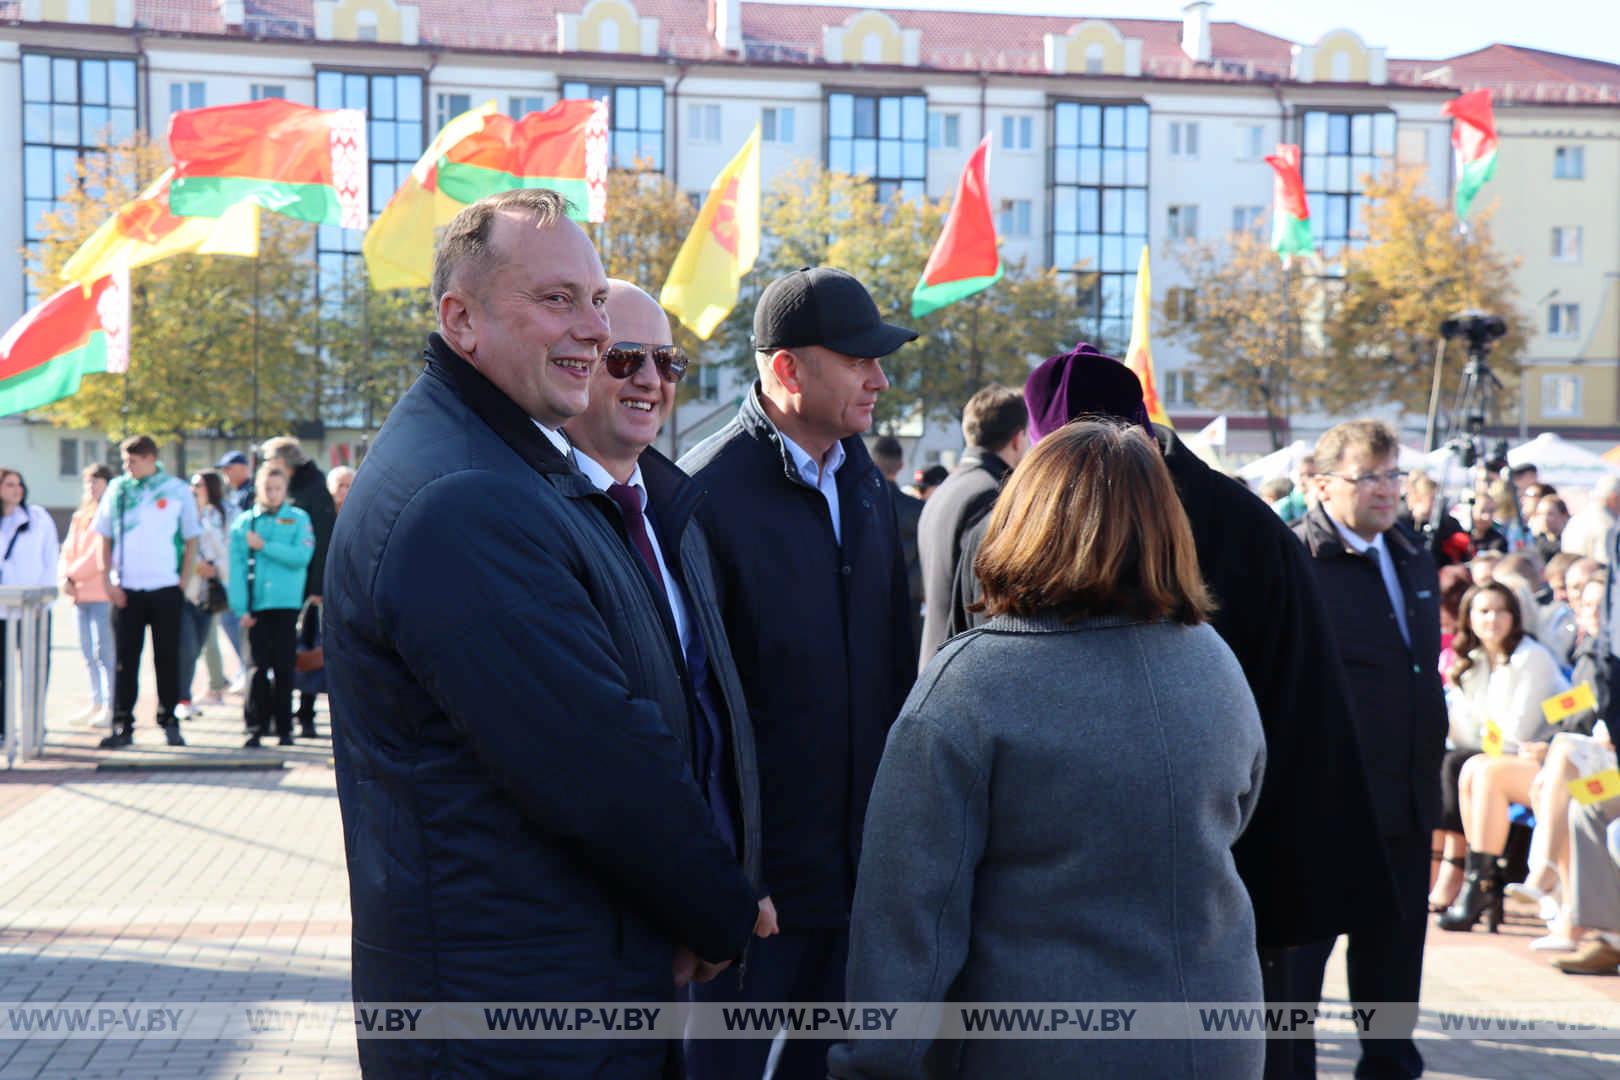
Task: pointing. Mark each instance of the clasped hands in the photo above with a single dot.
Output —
(690, 968)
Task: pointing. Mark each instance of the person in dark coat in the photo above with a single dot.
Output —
(519, 815)
(1310, 857)
(307, 490)
(1444, 536)
(816, 606)
(890, 458)
(1384, 592)
(993, 422)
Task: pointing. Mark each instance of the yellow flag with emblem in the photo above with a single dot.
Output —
(1492, 742)
(724, 242)
(1561, 707)
(1596, 788)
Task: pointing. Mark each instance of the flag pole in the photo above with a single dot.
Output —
(253, 423)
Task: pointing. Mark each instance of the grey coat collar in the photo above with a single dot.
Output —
(1052, 623)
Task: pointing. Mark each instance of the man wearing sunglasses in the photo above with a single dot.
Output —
(817, 608)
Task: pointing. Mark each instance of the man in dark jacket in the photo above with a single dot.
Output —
(520, 819)
(993, 424)
(890, 458)
(1384, 592)
(1310, 857)
(814, 596)
(306, 489)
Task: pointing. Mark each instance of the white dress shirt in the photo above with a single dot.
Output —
(822, 477)
(603, 480)
(1386, 567)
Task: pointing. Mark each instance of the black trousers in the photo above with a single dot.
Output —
(309, 635)
(804, 965)
(160, 610)
(1385, 964)
(273, 638)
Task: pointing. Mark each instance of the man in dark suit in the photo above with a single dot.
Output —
(1384, 593)
(993, 423)
(813, 592)
(890, 458)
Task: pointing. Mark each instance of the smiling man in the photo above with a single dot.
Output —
(520, 816)
(817, 607)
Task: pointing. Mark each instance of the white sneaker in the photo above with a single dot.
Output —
(238, 685)
(88, 716)
(103, 717)
(1553, 943)
(182, 711)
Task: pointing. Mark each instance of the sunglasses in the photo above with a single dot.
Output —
(624, 358)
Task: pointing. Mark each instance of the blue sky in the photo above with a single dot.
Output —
(1407, 28)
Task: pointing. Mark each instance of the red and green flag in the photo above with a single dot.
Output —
(1473, 137)
(1290, 217)
(564, 149)
(965, 259)
(292, 159)
(74, 333)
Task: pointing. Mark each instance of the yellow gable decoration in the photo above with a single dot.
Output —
(80, 12)
(1339, 56)
(391, 21)
(1093, 47)
(871, 37)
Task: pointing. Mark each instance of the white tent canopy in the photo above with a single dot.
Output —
(1283, 462)
(1560, 462)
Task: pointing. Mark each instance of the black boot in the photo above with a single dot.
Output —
(1481, 895)
(121, 736)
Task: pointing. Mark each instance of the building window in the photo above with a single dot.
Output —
(776, 125)
(1561, 397)
(187, 95)
(1180, 387)
(637, 116)
(1566, 243)
(1183, 223)
(1247, 218)
(72, 107)
(519, 105)
(1014, 218)
(1183, 139)
(1251, 142)
(1094, 58)
(704, 121)
(884, 137)
(708, 382)
(1100, 209)
(1179, 305)
(260, 91)
(1340, 150)
(1569, 163)
(944, 131)
(1563, 320)
(1017, 132)
(446, 107)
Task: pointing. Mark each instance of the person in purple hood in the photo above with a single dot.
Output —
(1311, 857)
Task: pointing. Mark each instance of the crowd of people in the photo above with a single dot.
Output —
(147, 554)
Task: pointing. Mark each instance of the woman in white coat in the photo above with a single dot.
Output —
(28, 550)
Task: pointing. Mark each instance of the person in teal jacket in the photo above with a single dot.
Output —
(271, 545)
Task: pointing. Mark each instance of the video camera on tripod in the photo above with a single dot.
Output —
(1476, 394)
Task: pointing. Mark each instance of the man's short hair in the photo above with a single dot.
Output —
(888, 452)
(1517, 471)
(1278, 487)
(994, 416)
(139, 445)
(1374, 437)
(1553, 502)
(466, 243)
(286, 449)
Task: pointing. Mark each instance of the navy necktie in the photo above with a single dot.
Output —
(635, 525)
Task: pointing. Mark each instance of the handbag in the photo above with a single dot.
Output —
(311, 657)
(218, 599)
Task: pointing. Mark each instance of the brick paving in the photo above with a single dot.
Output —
(201, 882)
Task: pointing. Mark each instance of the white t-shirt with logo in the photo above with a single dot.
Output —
(144, 518)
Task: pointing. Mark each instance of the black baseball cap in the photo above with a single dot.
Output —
(821, 306)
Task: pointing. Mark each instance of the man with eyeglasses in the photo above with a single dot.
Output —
(1383, 592)
(817, 606)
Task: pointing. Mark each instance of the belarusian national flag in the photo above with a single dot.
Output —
(1139, 354)
(1473, 137)
(965, 259)
(143, 231)
(722, 246)
(306, 163)
(74, 333)
(1291, 217)
(564, 148)
(399, 244)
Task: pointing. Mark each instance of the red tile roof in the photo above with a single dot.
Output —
(951, 40)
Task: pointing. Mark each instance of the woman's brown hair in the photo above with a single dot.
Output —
(1089, 524)
(98, 471)
(1466, 641)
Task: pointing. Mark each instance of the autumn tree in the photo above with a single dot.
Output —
(1416, 269)
(1248, 321)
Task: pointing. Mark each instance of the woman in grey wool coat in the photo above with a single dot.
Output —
(1054, 813)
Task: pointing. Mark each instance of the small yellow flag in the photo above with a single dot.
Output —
(724, 242)
(1561, 707)
(1596, 788)
(1139, 354)
(1492, 742)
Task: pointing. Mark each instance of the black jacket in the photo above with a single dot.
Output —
(1435, 537)
(907, 512)
(1396, 696)
(965, 497)
(520, 820)
(306, 489)
(1310, 857)
(821, 632)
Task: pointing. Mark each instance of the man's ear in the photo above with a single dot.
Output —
(456, 322)
(785, 366)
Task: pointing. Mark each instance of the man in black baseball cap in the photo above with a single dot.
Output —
(818, 613)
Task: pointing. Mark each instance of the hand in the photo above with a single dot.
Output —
(766, 924)
(69, 589)
(1534, 751)
(206, 570)
(313, 599)
(248, 621)
(116, 595)
(255, 541)
(690, 968)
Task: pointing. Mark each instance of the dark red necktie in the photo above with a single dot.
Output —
(629, 501)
